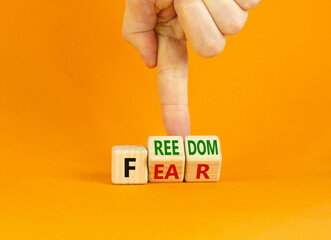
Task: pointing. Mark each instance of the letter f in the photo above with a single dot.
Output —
(127, 166)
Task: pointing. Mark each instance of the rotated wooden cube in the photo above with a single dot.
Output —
(129, 165)
(166, 159)
(203, 159)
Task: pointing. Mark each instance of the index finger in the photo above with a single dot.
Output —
(172, 85)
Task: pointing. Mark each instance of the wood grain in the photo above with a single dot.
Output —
(207, 154)
(156, 157)
(139, 175)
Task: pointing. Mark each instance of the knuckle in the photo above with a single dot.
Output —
(172, 74)
(249, 4)
(184, 5)
(212, 48)
(234, 25)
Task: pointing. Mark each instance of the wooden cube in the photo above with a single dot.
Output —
(166, 159)
(203, 159)
(129, 165)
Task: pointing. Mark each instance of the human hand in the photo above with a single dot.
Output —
(158, 29)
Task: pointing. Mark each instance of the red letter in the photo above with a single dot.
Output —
(157, 171)
(172, 167)
(204, 172)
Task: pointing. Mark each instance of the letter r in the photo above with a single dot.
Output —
(204, 171)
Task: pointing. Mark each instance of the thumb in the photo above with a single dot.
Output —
(138, 29)
(172, 84)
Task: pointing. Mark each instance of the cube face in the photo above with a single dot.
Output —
(129, 165)
(203, 159)
(166, 159)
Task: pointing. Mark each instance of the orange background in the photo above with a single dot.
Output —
(71, 87)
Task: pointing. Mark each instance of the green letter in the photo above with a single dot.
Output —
(174, 147)
(157, 142)
(213, 148)
(166, 147)
(204, 147)
(189, 142)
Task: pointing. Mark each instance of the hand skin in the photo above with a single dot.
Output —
(159, 29)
